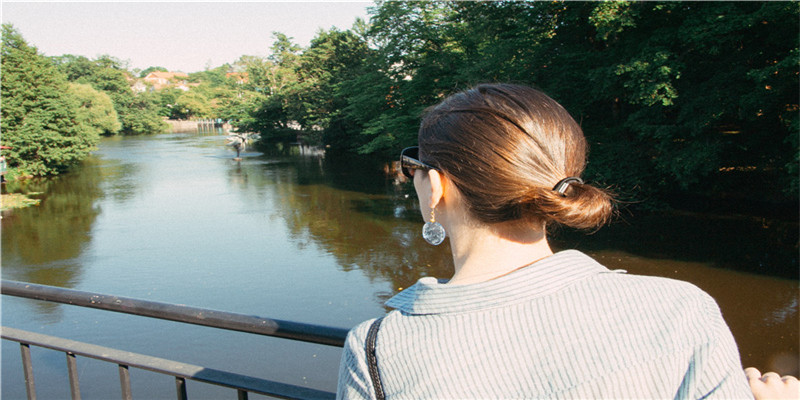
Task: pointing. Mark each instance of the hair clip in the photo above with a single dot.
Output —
(561, 186)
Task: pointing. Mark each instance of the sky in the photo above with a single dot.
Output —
(180, 36)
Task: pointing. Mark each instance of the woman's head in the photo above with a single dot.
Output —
(505, 147)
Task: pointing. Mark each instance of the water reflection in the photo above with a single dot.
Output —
(749, 244)
(45, 238)
(369, 229)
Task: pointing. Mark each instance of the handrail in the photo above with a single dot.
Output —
(197, 316)
(164, 366)
(319, 334)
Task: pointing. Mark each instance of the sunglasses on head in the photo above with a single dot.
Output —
(409, 161)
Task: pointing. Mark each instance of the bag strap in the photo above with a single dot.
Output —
(372, 337)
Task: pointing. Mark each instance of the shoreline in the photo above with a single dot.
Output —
(10, 201)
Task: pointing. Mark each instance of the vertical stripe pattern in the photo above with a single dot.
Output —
(564, 327)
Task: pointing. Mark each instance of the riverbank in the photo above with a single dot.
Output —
(10, 201)
(15, 200)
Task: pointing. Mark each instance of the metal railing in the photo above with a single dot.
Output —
(197, 316)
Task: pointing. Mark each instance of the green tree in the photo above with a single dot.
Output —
(284, 52)
(191, 105)
(272, 108)
(74, 67)
(215, 77)
(148, 70)
(166, 99)
(40, 118)
(96, 109)
(415, 63)
(238, 106)
(138, 112)
(680, 96)
(333, 57)
(673, 97)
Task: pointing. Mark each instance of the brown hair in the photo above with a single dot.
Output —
(505, 147)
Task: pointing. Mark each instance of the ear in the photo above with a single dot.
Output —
(438, 182)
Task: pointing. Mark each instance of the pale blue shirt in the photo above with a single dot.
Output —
(563, 327)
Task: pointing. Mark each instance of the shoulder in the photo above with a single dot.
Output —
(660, 303)
(661, 290)
(357, 335)
(354, 378)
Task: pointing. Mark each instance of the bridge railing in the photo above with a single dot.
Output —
(191, 315)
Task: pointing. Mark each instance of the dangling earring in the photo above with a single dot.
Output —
(433, 232)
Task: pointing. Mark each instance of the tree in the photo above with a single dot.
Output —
(283, 51)
(138, 112)
(166, 99)
(674, 97)
(272, 107)
(415, 63)
(333, 57)
(152, 69)
(680, 96)
(40, 118)
(74, 67)
(191, 105)
(95, 109)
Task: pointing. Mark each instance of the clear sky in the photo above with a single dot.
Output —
(180, 36)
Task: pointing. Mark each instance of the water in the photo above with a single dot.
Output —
(173, 218)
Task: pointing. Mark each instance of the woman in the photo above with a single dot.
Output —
(495, 166)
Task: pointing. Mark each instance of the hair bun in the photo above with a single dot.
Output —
(581, 206)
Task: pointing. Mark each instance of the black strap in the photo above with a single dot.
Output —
(372, 337)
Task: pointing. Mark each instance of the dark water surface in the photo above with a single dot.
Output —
(172, 218)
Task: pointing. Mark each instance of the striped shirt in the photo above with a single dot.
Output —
(563, 327)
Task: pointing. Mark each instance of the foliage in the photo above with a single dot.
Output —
(41, 118)
(95, 109)
(214, 77)
(191, 105)
(166, 99)
(333, 57)
(673, 97)
(270, 105)
(139, 113)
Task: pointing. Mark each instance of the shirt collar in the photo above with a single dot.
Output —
(432, 296)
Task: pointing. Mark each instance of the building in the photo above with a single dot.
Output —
(158, 80)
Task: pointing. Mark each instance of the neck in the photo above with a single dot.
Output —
(484, 253)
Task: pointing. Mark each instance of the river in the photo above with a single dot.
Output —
(173, 218)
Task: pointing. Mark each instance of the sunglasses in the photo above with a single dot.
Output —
(409, 161)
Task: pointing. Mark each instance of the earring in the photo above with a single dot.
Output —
(433, 232)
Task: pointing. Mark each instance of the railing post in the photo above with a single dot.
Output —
(180, 384)
(30, 387)
(242, 394)
(125, 382)
(72, 367)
